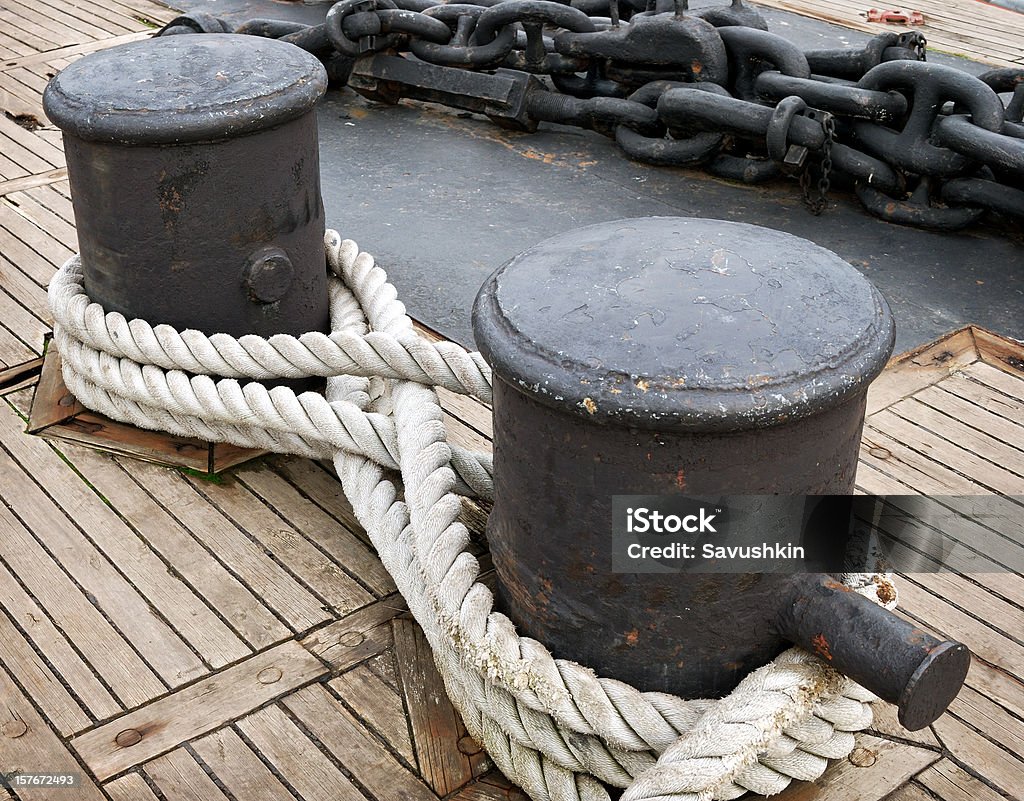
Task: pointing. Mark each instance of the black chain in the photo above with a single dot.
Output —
(673, 90)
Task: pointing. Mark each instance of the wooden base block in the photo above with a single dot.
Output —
(57, 414)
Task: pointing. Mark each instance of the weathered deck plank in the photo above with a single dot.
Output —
(950, 782)
(369, 763)
(295, 758)
(238, 767)
(61, 528)
(436, 727)
(231, 601)
(130, 787)
(277, 537)
(873, 771)
(978, 31)
(379, 705)
(30, 746)
(181, 778)
(40, 635)
(196, 710)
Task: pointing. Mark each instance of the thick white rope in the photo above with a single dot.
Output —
(552, 726)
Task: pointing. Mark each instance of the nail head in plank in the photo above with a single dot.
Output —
(874, 770)
(196, 709)
(28, 745)
(358, 636)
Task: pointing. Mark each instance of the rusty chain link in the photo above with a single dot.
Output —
(923, 144)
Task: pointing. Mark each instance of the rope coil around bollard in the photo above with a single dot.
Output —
(551, 725)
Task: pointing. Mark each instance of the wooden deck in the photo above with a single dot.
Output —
(969, 28)
(169, 636)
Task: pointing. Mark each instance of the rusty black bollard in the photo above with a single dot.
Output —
(666, 355)
(195, 179)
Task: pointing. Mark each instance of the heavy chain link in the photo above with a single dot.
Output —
(924, 144)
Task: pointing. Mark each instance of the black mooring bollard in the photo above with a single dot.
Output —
(666, 355)
(195, 177)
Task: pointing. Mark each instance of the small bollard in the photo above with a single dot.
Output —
(682, 356)
(195, 179)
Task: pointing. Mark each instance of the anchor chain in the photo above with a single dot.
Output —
(923, 144)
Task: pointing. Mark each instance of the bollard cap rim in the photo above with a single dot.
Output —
(184, 89)
(672, 323)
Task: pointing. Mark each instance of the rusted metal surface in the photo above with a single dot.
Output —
(667, 355)
(898, 661)
(195, 178)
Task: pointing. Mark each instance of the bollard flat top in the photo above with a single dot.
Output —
(178, 89)
(673, 323)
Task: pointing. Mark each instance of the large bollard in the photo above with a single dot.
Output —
(665, 355)
(195, 178)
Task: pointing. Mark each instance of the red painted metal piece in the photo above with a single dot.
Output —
(899, 16)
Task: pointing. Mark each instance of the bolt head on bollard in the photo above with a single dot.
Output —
(194, 171)
(661, 356)
(269, 274)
